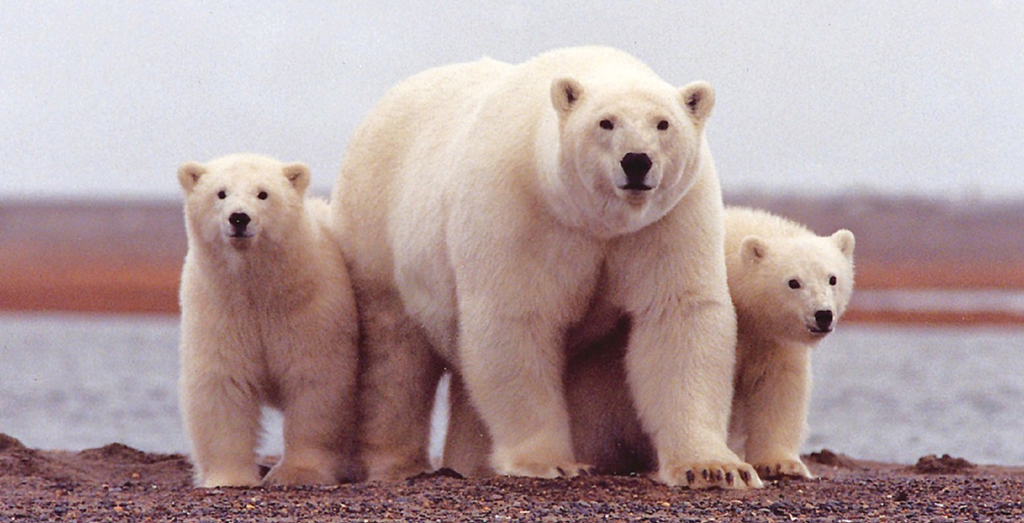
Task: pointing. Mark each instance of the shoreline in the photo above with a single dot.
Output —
(109, 256)
(116, 482)
(31, 286)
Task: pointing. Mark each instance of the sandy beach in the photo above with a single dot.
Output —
(118, 483)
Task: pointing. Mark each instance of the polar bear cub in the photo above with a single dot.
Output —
(489, 209)
(267, 318)
(790, 287)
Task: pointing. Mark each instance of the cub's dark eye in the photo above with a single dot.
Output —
(606, 125)
(222, 194)
(794, 284)
(832, 281)
(663, 125)
(262, 195)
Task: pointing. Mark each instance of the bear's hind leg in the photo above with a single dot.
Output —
(399, 375)
(467, 444)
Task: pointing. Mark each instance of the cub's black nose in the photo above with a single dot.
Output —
(824, 319)
(636, 166)
(239, 219)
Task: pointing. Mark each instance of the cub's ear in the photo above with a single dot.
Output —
(845, 241)
(298, 175)
(188, 175)
(753, 249)
(698, 101)
(566, 92)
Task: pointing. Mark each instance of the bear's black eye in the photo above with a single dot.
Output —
(663, 125)
(794, 284)
(262, 195)
(606, 125)
(832, 280)
(222, 194)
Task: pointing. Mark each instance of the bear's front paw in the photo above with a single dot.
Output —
(540, 470)
(712, 474)
(284, 474)
(782, 467)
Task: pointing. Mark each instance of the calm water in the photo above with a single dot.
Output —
(885, 393)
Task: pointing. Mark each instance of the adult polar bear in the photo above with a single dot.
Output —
(488, 211)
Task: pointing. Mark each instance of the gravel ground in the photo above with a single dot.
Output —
(118, 483)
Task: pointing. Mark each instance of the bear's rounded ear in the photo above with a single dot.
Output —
(188, 175)
(753, 249)
(298, 175)
(698, 101)
(565, 93)
(845, 241)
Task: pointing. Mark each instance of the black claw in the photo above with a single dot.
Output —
(728, 478)
(690, 477)
(560, 471)
(706, 474)
(745, 476)
(718, 476)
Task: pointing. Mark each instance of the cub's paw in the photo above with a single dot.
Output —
(539, 470)
(230, 480)
(711, 474)
(782, 467)
(283, 474)
(393, 468)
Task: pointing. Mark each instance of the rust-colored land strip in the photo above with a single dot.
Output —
(934, 318)
(96, 287)
(125, 257)
(942, 274)
(132, 289)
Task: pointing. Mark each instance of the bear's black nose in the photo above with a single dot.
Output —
(239, 219)
(636, 167)
(824, 320)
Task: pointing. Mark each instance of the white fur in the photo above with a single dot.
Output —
(772, 380)
(267, 318)
(485, 213)
(768, 255)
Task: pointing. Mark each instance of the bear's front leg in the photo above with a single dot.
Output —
(319, 406)
(222, 415)
(513, 368)
(775, 410)
(318, 440)
(679, 365)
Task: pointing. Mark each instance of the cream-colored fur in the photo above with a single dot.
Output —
(267, 318)
(486, 212)
(790, 287)
(777, 329)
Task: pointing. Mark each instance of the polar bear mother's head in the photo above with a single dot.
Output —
(634, 145)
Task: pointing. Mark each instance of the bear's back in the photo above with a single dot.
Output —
(741, 222)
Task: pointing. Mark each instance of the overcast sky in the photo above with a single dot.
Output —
(106, 99)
